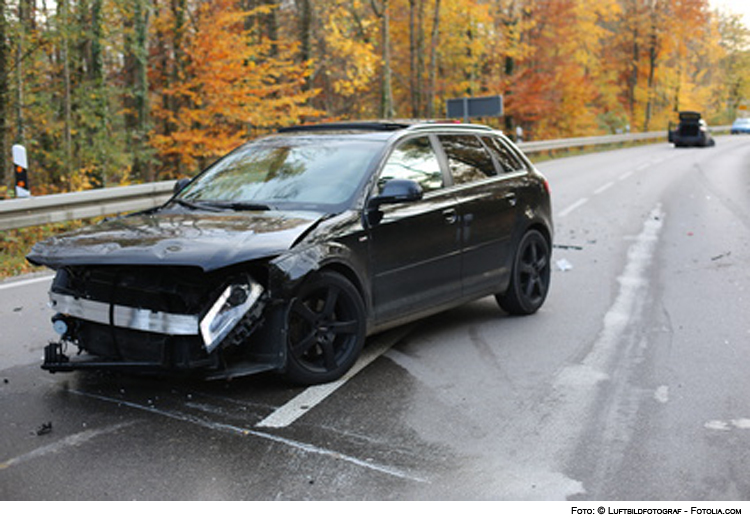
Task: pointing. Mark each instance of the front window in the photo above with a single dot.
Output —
(287, 173)
(414, 159)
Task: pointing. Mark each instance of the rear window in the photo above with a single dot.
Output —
(468, 159)
(507, 161)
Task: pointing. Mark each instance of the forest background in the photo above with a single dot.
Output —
(110, 92)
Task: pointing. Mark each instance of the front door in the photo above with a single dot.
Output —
(415, 248)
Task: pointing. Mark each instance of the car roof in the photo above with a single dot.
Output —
(384, 126)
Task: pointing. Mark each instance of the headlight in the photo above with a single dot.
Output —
(227, 311)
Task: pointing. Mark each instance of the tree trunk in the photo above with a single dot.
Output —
(635, 58)
(434, 40)
(305, 28)
(20, 135)
(653, 52)
(136, 69)
(67, 111)
(386, 90)
(3, 96)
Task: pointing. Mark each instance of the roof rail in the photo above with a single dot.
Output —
(376, 125)
(343, 126)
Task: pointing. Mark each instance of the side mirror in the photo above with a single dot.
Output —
(397, 190)
(180, 185)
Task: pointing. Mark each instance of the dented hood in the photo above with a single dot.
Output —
(207, 240)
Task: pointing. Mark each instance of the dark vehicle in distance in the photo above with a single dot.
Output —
(741, 126)
(286, 253)
(692, 130)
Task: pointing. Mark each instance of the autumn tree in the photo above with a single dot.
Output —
(106, 92)
(735, 65)
(235, 86)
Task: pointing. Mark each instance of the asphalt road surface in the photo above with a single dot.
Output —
(631, 383)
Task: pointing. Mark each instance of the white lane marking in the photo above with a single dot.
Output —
(26, 282)
(236, 430)
(603, 188)
(723, 425)
(578, 203)
(577, 388)
(72, 440)
(312, 396)
(717, 425)
(626, 175)
(633, 288)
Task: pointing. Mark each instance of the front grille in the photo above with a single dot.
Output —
(184, 290)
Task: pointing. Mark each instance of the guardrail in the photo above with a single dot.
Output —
(48, 209)
(569, 143)
(34, 211)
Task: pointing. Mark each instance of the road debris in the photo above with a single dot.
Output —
(44, 429)
(718, 257)
(567, 246)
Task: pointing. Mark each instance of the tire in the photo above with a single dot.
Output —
(530, 276)
(325, 329)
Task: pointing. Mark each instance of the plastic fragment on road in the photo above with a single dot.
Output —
(44, 429)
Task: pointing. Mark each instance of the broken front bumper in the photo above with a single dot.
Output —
(139, 339)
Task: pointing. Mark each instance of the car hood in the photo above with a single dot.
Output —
(207, 240)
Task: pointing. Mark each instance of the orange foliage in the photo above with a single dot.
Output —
(235, 85)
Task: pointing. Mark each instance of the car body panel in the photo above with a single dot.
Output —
(412, 269)
(209, 241)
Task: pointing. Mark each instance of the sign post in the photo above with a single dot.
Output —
(466, 108)
(20, 167)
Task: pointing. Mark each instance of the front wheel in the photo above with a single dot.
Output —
(325, 329)
(530, 276)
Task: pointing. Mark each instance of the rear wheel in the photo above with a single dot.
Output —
(325, 329)
(530, 276)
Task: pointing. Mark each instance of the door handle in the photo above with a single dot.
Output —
(450, 216)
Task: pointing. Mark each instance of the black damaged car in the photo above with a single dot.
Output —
(288, 252)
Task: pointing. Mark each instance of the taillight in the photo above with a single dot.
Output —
(546, 184)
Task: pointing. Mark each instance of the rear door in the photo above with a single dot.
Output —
(415, 248)
(486, 189)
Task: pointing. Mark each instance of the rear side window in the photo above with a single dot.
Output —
(468, 159)
(507, 161)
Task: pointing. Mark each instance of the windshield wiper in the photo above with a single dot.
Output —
(212, 205)
(203, 206)
(242, 206)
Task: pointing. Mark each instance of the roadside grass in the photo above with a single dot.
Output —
(16, 243)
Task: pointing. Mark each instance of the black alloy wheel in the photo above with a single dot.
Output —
(530, 277)
(326, 329)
